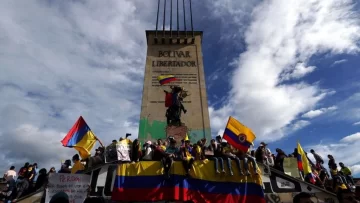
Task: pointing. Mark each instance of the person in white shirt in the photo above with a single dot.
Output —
(269, 158)
(10, 172)
(148, 152)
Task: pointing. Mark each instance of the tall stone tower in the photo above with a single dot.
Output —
(176, 53)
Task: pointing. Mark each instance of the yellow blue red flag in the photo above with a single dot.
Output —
(81, 138)
(304, 160)
(147, 178)
(238, 135)
(164, 79)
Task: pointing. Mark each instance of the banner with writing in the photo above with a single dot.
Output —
(74, 185)
(123, 149)
(291, 167)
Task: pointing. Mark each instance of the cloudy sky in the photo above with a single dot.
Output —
(286, 69)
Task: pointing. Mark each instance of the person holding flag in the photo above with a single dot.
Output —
(304, 165)
(185, 154)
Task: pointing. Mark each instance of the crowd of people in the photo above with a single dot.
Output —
(29, 178)
(319, 175)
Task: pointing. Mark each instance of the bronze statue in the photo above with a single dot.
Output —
(174, 104)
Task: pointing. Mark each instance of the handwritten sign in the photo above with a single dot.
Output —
(74, 185)
(123, 149)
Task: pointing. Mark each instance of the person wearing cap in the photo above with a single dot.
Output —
(171, 153)
(187, 158)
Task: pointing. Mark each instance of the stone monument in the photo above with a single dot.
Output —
(176, 54)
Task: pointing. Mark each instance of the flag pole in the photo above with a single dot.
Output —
(99, 141)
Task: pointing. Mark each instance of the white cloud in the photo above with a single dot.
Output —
(351, 138)
(60, 60)
(297, 125)
(345, 151)
(357, 123)
(281, 35)
(349, 109)
(355, 169)
(339, 62)
(234, 16)
(299, 71)
(318, 112)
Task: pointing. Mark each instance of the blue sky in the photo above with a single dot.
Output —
(287, 70)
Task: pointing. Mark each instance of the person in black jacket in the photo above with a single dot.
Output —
(41, 180)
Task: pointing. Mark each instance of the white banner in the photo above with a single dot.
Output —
(123, 149)
(74, 185)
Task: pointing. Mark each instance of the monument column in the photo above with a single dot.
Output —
(175, 53)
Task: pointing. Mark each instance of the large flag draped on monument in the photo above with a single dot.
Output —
(144, 181)
(81, 138)
(238, 135)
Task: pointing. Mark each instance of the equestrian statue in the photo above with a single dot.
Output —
(173, 102)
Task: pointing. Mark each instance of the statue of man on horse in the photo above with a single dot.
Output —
(174, 102)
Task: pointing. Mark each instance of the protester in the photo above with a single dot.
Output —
(347, 173)
(279, 160)
(10, 172)
(30, 175)
(331, 161)
(147, 152)
(171, 154)
(10, 192)
(260, 154)
(216, 155)
(78, 167)
(36, 172)
(136, 151)
(41, 180)
(22, 183)
(66, 167)
(186, 157)
(52, 170)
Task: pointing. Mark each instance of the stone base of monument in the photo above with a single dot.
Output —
(178, 132)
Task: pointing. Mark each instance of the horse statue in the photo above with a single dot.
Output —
(174, 100)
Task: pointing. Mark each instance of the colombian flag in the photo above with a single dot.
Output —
(145, 182)
(299, 162)
(305, 165)
(238, 135)
(164, 79)
(81, 138)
